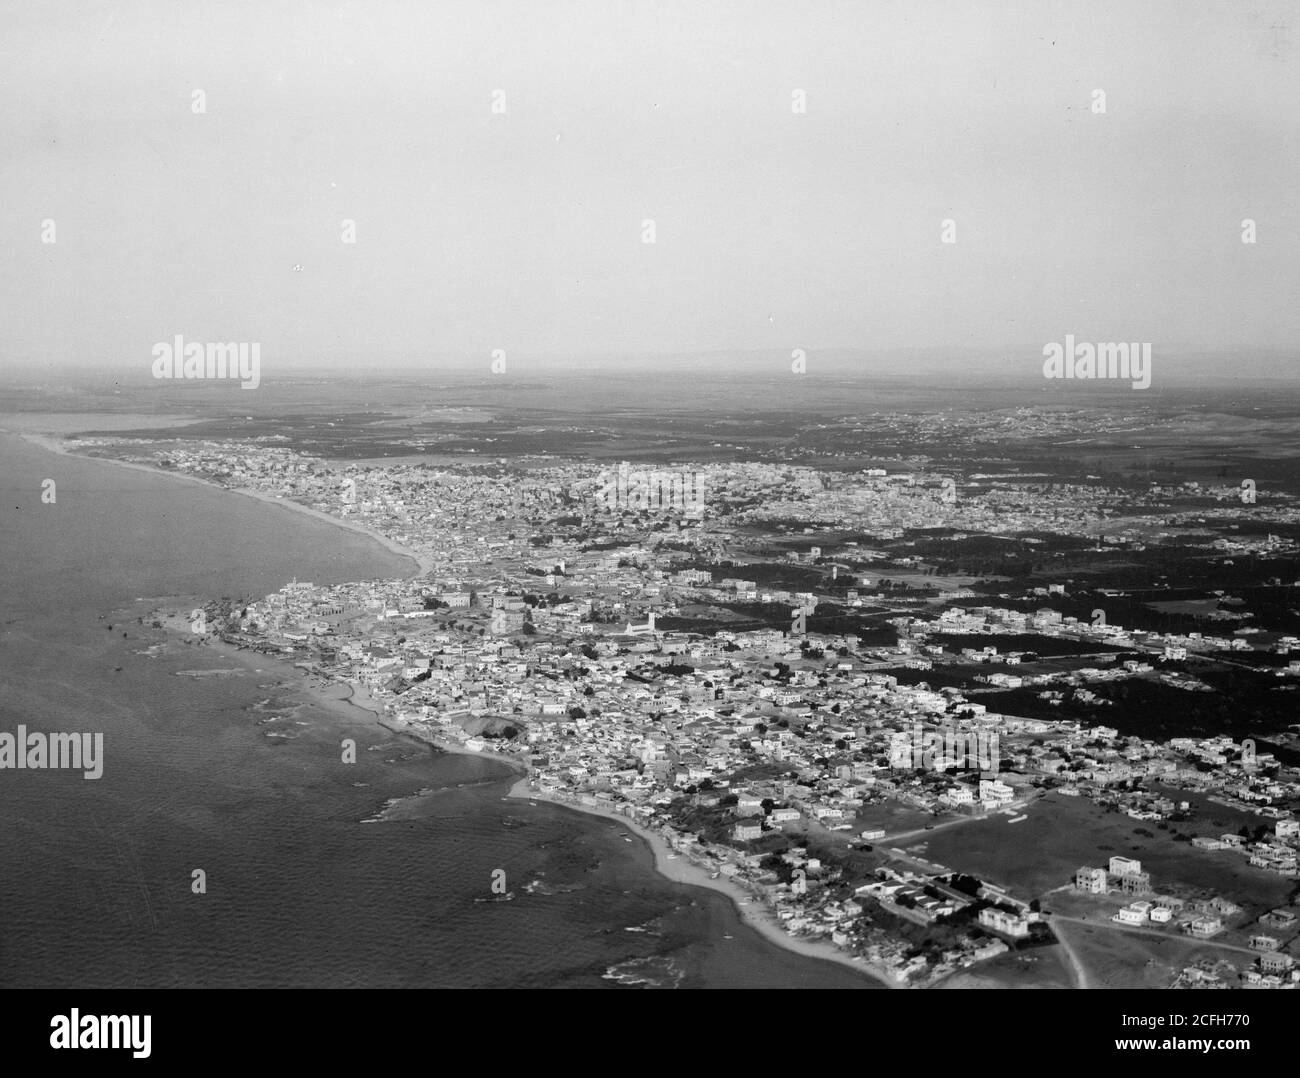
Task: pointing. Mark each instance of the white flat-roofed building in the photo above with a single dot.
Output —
(1204, 927)
(1125, 866)
(995, 792)
(1009, 924)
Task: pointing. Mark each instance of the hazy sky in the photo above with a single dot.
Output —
(522, 231)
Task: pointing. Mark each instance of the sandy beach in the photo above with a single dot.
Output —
(361, 706)
(753, 911)
(357, 704)
(423, 565)
(511, 762)
(337, 693)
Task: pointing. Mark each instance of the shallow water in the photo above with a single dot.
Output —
(97, 877)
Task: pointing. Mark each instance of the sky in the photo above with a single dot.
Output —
(499, 161)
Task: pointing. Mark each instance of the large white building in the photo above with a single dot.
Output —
(1009, 924)
(1125, 866)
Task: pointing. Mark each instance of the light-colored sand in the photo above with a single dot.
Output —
(675, 868)
(423, 564)
(500, 757)
(341, 697)
(753, 911)
(353, 703)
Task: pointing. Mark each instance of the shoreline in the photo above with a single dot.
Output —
(516, 765)
(423, 566)
(754, 912)
(349, 708)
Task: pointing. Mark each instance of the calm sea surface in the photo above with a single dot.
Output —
(239, 776)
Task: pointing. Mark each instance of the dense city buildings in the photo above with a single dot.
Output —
(764, 675)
